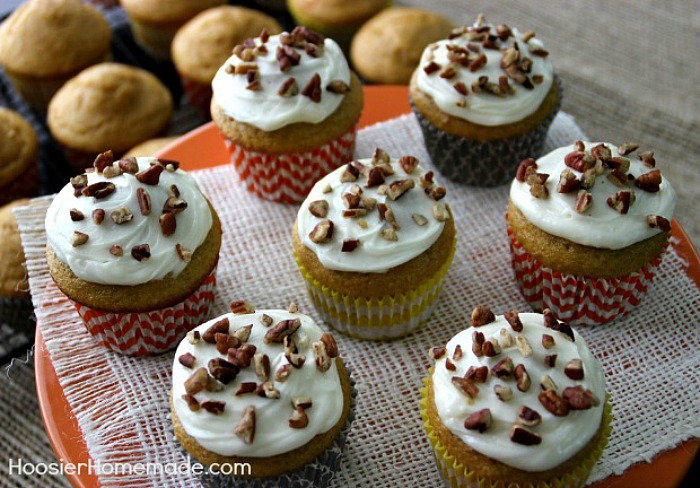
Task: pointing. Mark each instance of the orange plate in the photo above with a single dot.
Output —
(202, 148)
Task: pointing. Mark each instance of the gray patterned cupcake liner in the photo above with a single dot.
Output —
(317, 474)
(17, 324)
(483, 163)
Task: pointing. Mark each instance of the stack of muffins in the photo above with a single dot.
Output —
(134, 244)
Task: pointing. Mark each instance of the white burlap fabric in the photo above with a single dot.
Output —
(650, 357)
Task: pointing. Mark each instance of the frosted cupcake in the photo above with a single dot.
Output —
(588, 226)
(288, 106)
(516, 400)
(373, 241)
(267, 388)
(134, 245)
(485, 98)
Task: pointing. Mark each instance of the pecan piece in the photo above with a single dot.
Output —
(76, 215)
(579, 161)
(283, 372)
(103, 160)
(479, 420)
(522, 435)
(224, 342)
(548, 383)
(477, 343)
(350, 173)
(187, 360)
(191, 401)
(482, 316)
(141, 252)
(627, 147)
(647, 157)
(319, 208)
(79, 238)
(548, 341)
(553, 403)
(298, 419)
(214, 407)
(174, 205)
(322, 232)
(622, 201)
(197, 381)
(323, 361)
(151, 175)
(431, 68)
(538, 190)
(526, 168)
(550, 360)
(426, 181)
(504, 368)
(574, 369)
(622, 164)
(267, 390)
(588, 178)
(505, 339)
(98, 216)
(491, 348)
(408, 163)
(437, 193)
(289, 88)
(220, 326)
(436, 353)
(504, 393)
(449, 365)
(399, 187)
(245, 429)
(313, 89)
(514, 320)
(128, 165)
(457, 354)
(465, 386)
(650, 181)
(579, 398)
(658, 222)
(375, 177)
(330, 345)
(144, 201)
(528, 417)
(168, 225)
(617, 177)
(246, 387)
(477, 374)
(522, 379)
(182, 253)
(121, 215)
(116, 250)
(568, 182)
(338, 87)
(193, 337)
(223, 370)
(111, 171)
(523, 346)
(584, 200)
(419, 219)
(349, 245)
(282, 329)
(99, 190)
(79, 183)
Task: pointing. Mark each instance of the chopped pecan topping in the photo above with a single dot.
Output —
(191, 401)
(440, 213)
(523, 346)
(505, 339)
(245, 429)
(78, 183)
(650, 181)
(627, 147)
(437, 352)
(76, 215)
(622, 164)
(490, 348)
(223, 370)
(242, 356)
(482, 316)
(553, 403)
(283, 373)
(282, 329)
(647, 157)
(622, 201)
(504, 368)
(182, 253)
(548, 341)
(319, 208)
(514, 320)
(574, 369)
(111, 171)
(214, 407)
(144, 201)
(322, 232)
(267, 390)
(246, 387)
(323, 361)
(478, 63)
(457, 354)
(659, 222)
(579, 398)
(548, 383)
(375, 177)
(583, 201)
(437, 193)
(103, 160)
(174, 205)
(479, 420)
(298, 419)
(528, 417)
(350, 173)
(522, 435)
(79, 238)
(477, 343)
(349, 245)
(197, 381)
(504, 393)
(399, 187)
(426, 181)
(477, 374)
(419, 219)
(128, 165)
(568, 182)
(220, 326)
(193, 337)
(522, 379)
(538, 190)
(241, 307)
(99, 190)
(550, 360)
(579, 161)
(116, 250)
(617, 177)
(526, 168)
(313, 89)
(289, 88)
(121, 215)
(329, 343)
(465, 386)
(262, 366)
(431, 68)
(170, 165)
(303, 402)
(338, 86)
(449, 365)
(461, 88)
(187, 360)
(141, 252)
(408, 163)
(150, 176)
(351, 200)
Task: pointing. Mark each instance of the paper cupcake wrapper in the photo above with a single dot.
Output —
(26, 185)
(457, 475)
(388, 317)
(579, 300)
(154, 39)
(317, 474)
(198, 95)
(37, 92)
(483, 163)
(152, 332)
(288, 178)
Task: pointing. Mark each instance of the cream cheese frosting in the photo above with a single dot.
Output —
(72, 214)
(255, 98)
(464, 74)
(601, 225)
(561, 436)
(272, 432)
(382, 242)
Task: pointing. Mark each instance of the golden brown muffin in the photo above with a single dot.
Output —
(151, 146)
(298, 137)
(46, 42)
(19, 150)
(13, 275)
(388, 47)
(337, 19)
(108, 106)
(155, 22)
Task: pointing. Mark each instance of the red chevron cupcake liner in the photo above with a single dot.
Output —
(288, 178)
(198, 95)
(152, 332)
(26, 185)
(579, 300)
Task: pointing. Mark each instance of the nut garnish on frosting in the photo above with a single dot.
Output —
(497, 389)
(595, 194)
(373, 214)
(139, 241)
(273, 369)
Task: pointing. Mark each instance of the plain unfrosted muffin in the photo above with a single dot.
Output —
(588, 225)
(288, 106)
(205, 42)
(43, 43)
(388, 47)
(485, 98)
(337, 19)
(19, 152)
(516, 400)
(374, 241)
(150, 147)
(263, 387)
(134, 244)
(155, 22)
(108, 106)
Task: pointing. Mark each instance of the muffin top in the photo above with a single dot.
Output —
(373, 214)
(204, 43)
(329, 13)
(151, 146)
(19, 145)
(128, 222)
(485, 74)
(109, 106)
(595, 194)
(167, 11)
(13, 275)
(53, 37)
(388, 47)
(274, 81)
(257, 383)
(522, 389)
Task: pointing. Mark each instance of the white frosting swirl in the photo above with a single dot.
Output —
(562, 437)
(272, 432)
(93, 261)
(265, 108)
(375, 254)
(600, 226)
(484, 108)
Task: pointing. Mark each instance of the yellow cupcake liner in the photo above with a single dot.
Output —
(388, 317)
(457, 475)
